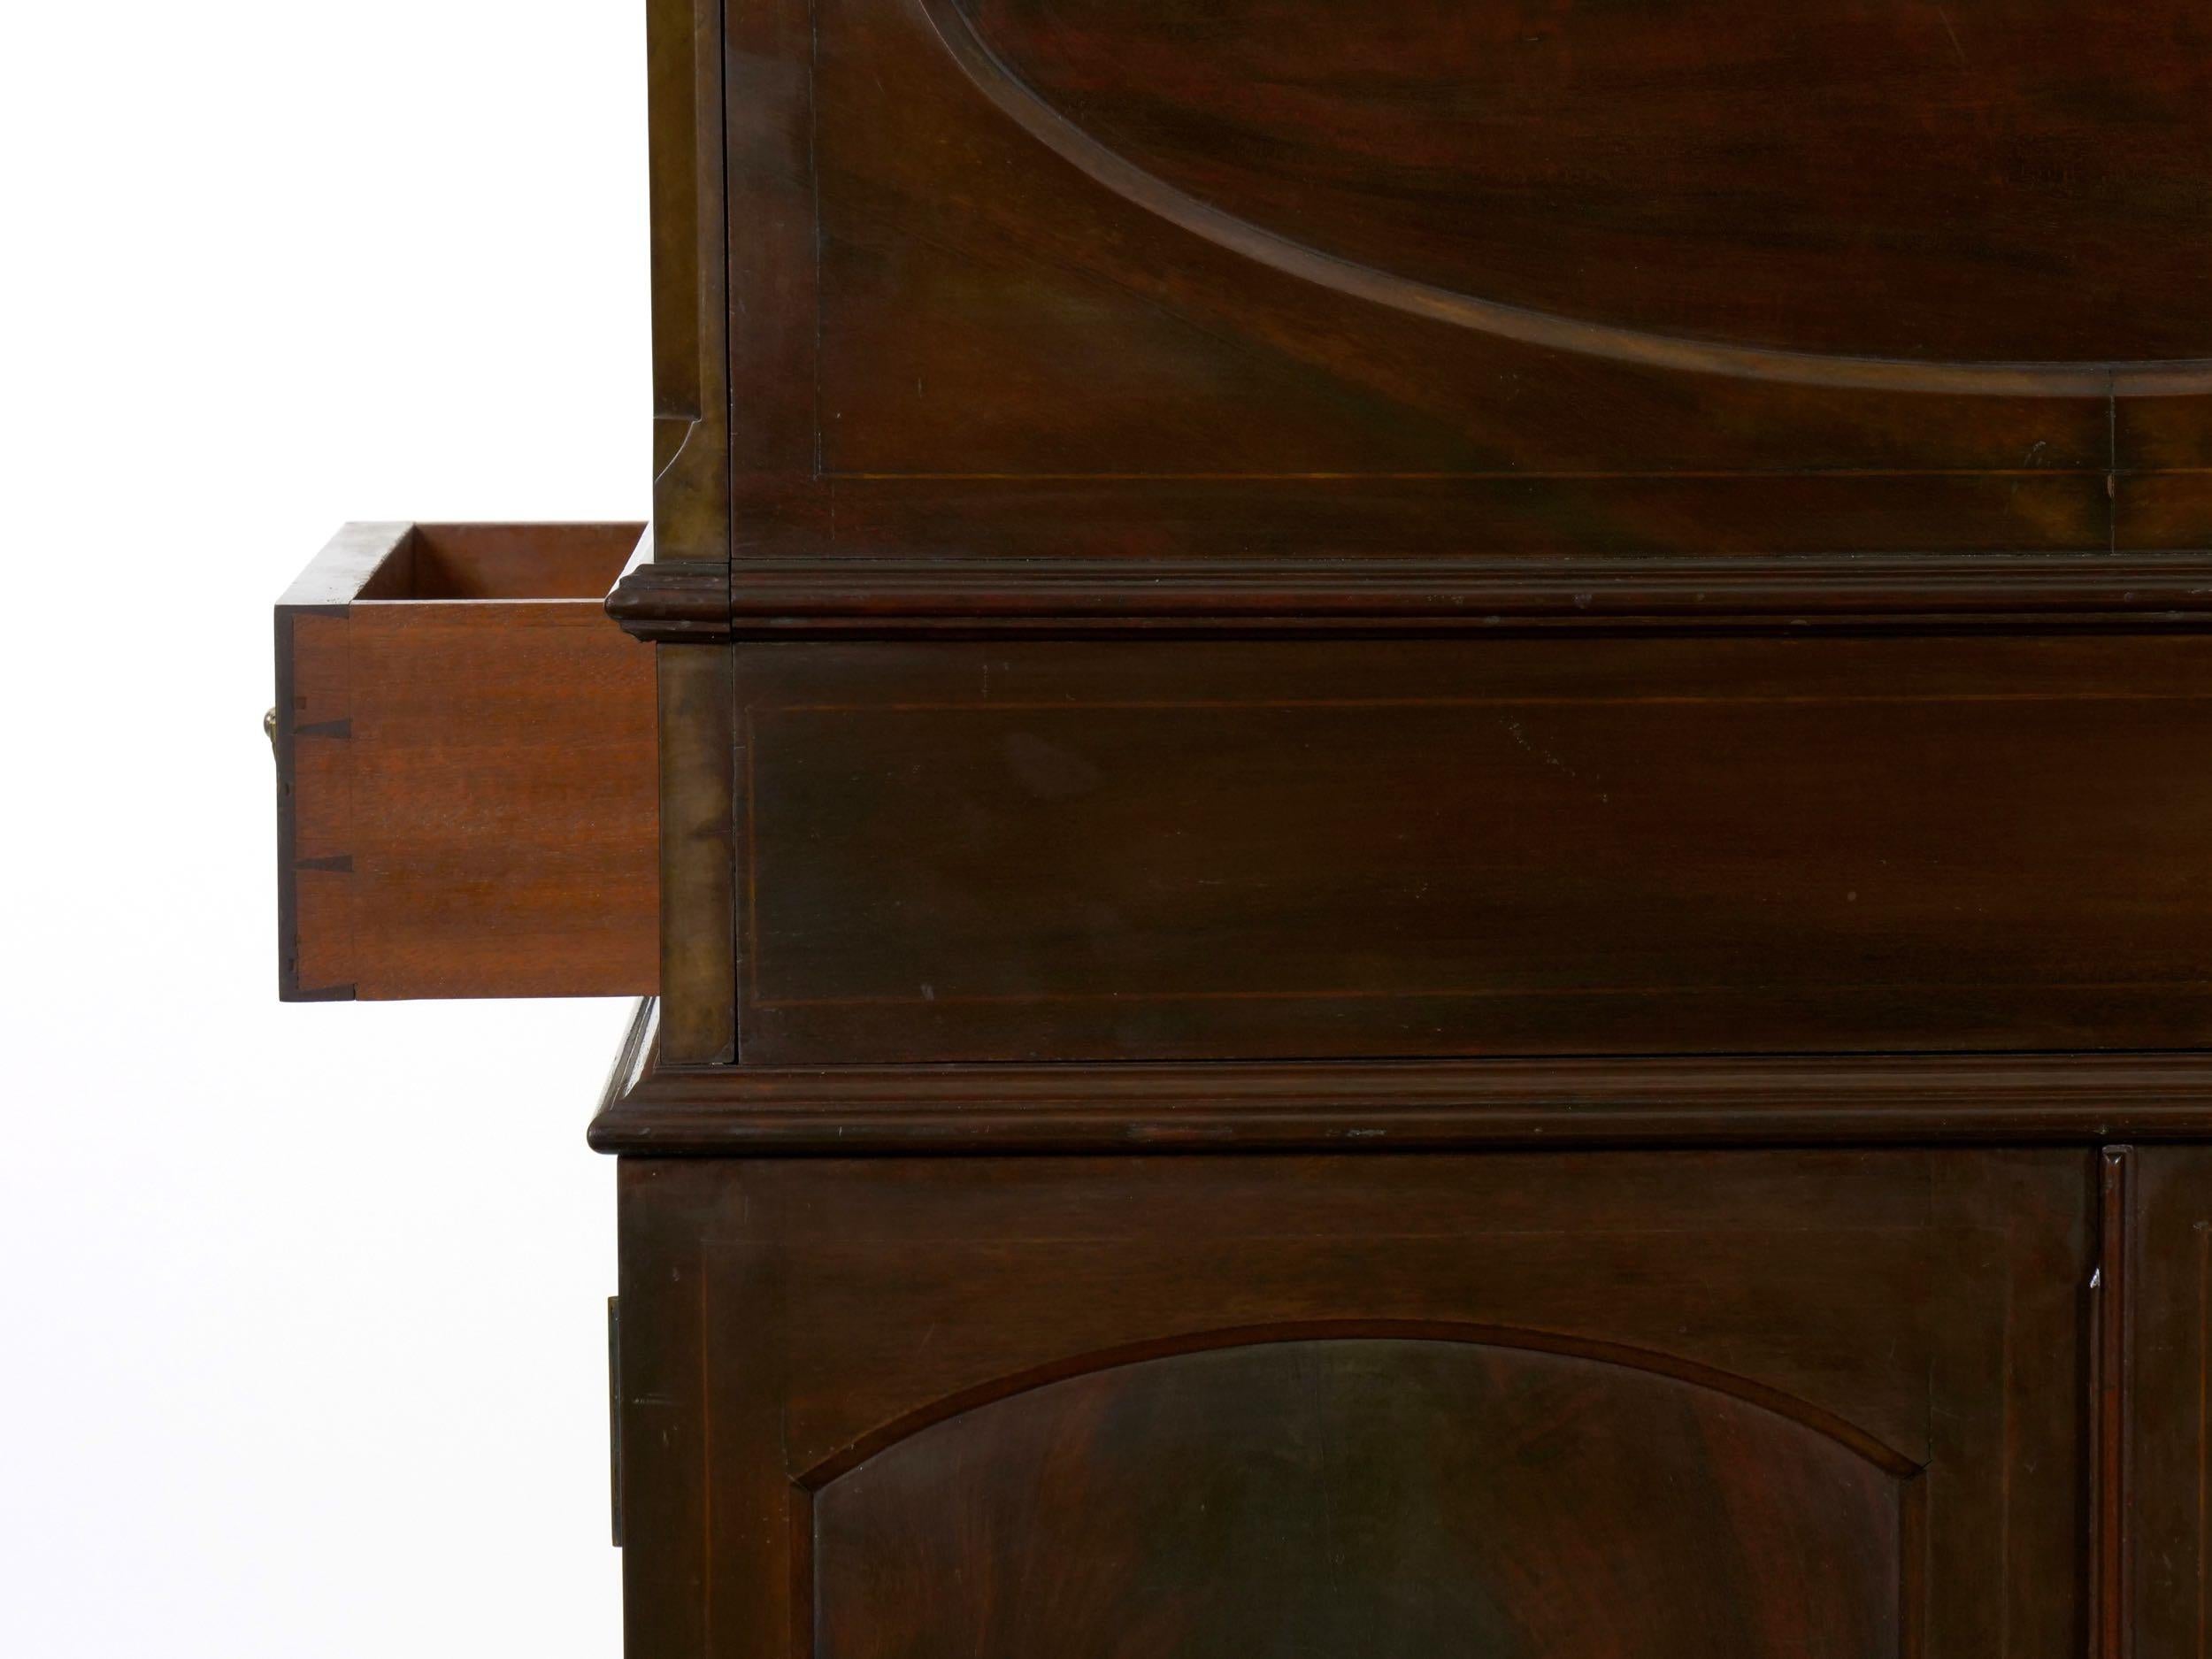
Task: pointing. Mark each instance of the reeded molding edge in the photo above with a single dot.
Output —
(701, 601)
(674, 602)
(1401, 1106)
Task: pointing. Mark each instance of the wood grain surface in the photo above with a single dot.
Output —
(1089, 277)
(1208, 1405)
(1283, 850)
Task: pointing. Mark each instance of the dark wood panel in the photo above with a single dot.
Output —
(1380, 1496)
(2168, 1497)
(2162, 510)
(692, 345)
(698, 915)
(1905, 1331)
(661, 1419)
(1043, 327)
(1987, 181)
(465, 768)
(2152, 434)
(1464, 518)
(1041, 852)
(1163, 282)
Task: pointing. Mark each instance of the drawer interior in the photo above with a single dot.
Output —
(495, 561)
(466, 767)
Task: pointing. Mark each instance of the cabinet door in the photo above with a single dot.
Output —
(1816, 1405)
(2168, 1422)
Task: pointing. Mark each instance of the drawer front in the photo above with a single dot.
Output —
(465, 762)
(1249, 849)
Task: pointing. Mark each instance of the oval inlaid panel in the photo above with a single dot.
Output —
(1979, 196)
(1387, 1496)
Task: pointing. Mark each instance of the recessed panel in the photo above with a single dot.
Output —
(1855, 180)
(1036, 277)
(1275, 850)
(1310, 1500)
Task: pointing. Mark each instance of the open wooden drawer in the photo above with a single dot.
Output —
(466, 767)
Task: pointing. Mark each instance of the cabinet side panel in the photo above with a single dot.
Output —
(690, 369)
(697, 972)
(662, 1412)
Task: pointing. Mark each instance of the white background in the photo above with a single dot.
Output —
(301, 1341)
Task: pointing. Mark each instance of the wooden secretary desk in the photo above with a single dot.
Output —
(1421, 800)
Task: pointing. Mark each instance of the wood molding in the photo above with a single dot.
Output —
(666, 1110)
(2112, 1304)
(704, 602)
(674, 602)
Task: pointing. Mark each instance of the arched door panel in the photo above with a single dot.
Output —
(1387, 1495)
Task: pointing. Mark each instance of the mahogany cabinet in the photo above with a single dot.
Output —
(1416, 802)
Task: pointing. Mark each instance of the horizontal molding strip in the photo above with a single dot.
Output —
(694, 601)
(1405, 1105)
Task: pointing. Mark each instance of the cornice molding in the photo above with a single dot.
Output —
(704, 600)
